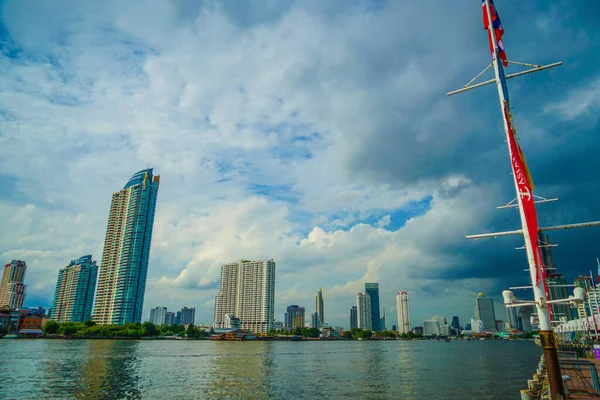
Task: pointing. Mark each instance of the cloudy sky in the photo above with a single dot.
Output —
(316, 133)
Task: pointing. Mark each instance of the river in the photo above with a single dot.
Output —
(114, 369)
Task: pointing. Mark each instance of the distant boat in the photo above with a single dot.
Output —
(448, 339)
(11, 336)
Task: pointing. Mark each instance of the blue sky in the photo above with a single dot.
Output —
(317, 133)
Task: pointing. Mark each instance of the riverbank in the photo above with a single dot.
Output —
(258, 338)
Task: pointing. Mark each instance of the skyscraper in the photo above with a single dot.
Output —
(431, 327)
(353, 317)
(372, 289)
(187, 316)
(169, 318)
(546, 251)
(247, 291)
(157, 315)
(74, 294)
(315, 321)
(12, 289)
(557, 289)
(403, 312)
(511, 317)
(455, 324)
(319, 306)
(524, 318)
(295, 316)
(484, 311)
(124, 267)
(364, 311)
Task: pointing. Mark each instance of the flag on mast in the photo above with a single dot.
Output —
(520, 172)
(497, 28)
(511, 127)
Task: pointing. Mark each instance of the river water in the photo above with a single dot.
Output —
(113, 369)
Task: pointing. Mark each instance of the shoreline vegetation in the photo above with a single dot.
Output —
(150, 331)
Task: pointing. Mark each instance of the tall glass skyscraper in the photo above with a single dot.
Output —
(122, 282)
(353, 317)
(74, 294)
(187, 316)
(372, 289)
(319, 306)
(484, 311)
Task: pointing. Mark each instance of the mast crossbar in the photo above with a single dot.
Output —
(468, 86)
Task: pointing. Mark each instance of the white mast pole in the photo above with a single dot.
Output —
(596, 304)
(538, 289)
(523, 191)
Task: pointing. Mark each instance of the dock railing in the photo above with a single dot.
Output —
(580, 376)
(582, 350)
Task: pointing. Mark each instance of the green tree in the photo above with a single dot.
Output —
(177, 329)
(89, 322)
(192, 331)
(67, 329)
(365, 334)
(150, 329)
(314, 332)
(50, 327)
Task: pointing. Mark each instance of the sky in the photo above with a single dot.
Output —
(315, 133)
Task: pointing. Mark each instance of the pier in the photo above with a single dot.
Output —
(579, 369)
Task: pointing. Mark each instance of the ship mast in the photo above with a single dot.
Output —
(525, 199)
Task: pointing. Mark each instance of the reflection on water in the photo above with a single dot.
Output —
(104, 369)
(111, 371)
(372, 370)
(240, 370)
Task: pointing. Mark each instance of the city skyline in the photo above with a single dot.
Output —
(81, 293)
(343, 164)
(188, 313)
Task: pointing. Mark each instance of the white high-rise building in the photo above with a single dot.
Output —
(247, 292)
(403, 312)
(363, 305)
(477, 325)
(12, 289)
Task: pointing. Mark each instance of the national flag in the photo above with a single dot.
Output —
(497, 28)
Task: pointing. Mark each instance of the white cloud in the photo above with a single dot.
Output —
(581, 101)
